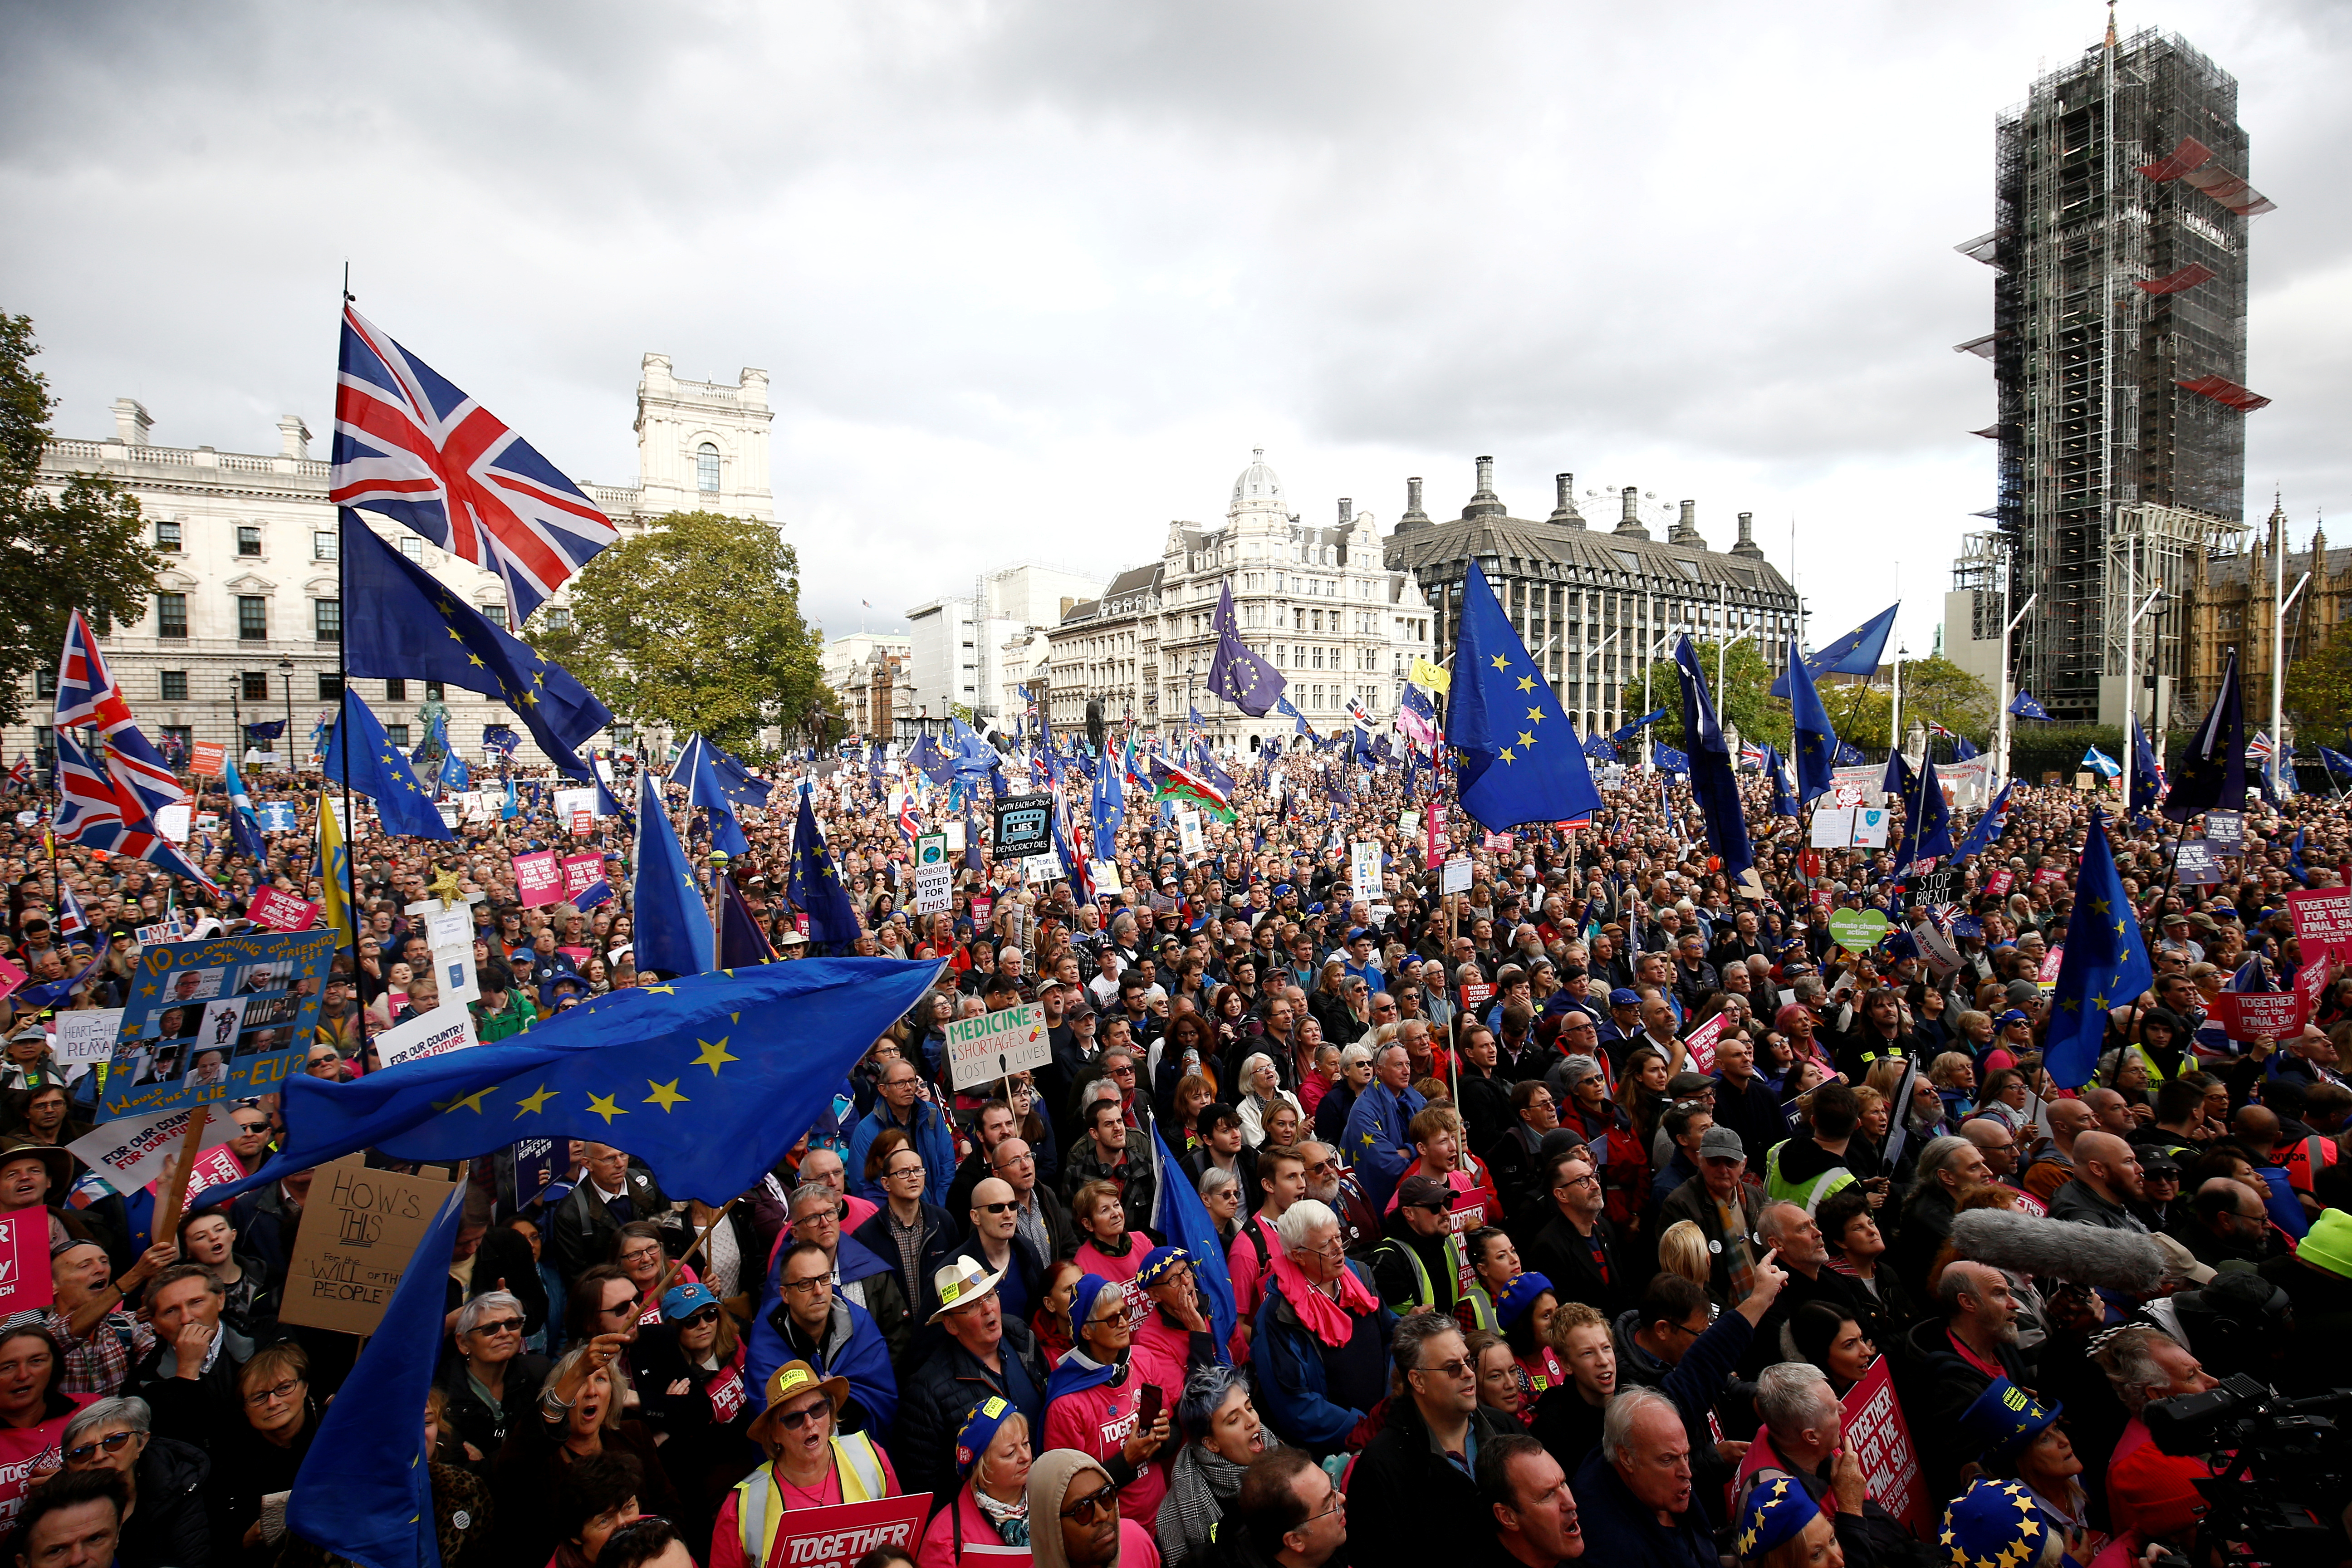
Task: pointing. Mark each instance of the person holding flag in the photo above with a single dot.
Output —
(2105, 963)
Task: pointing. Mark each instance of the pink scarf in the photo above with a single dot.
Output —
(1326, 1318)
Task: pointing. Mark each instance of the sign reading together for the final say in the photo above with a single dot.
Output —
(216, 1020)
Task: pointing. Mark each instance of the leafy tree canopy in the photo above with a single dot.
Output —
(1744, 700)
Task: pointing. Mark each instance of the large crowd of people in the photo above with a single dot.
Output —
(1595, 1209)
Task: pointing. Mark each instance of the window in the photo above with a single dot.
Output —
(324, 546)
(397, 735)
(176, 686)
(171, 614)
(331, 686)
(248, 539)
(706, 469)
(45, 683)
(167, 535)
(252, 618)
(559, 618)
(395, 691)
(432, 691)
(254, 685)
(177, 739)
(496, 613)
(411, 547)
(45, 739)
(326, 619)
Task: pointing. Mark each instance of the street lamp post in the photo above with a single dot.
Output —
(286, 673)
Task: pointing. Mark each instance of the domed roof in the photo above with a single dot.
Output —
(1258, 486)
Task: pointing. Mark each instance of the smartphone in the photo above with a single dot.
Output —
(1148, 1409)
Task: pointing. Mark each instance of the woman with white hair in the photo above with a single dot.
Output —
(166, 1520)
(1355, 1077)
(1262, 1090)
(492, 1381)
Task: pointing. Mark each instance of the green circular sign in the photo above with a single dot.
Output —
(1858, 930)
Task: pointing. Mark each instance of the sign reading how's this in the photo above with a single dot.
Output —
(216, 1020)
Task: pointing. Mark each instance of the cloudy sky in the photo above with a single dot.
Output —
(1031, 279)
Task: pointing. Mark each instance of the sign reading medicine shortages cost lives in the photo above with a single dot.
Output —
(996, 1045)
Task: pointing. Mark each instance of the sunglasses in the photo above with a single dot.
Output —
(1102, 1501)
(503, 1326)
(794, 1420)
(996, 1208)
(112, 1443)
(696, 1319)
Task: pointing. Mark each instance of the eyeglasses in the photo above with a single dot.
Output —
(1458, 1367)
(1339, 1502)
(503, 1326)
(996, 1208)
(1101, 1501)
(282, 1391)
(903, 1171)
(112, 1443)
(641, 1254)
(794, 1420)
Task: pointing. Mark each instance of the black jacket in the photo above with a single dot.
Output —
(938, 1391)
(580, 1231)
(205, 1411)
(471, 1421)
(1566, 1259)
(1935, 1383)
(1406, 1495)
(169, 1528)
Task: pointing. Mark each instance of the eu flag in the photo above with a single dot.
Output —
(1927, 823)
(2023, 706)
(697, 772)
(1989, 827)
(2214, 774)
(1109, 807)
(1712, 783)
(707, 1079)
(1776, 768)
(1235, 674)
(1856, 653)
(2147, 779)
(815, 883)
(742, 942)
(1178, 1214)
(414, 626)
(1817, 741)
(1282, 705)
(2106, 964)
(379, 772)
(1520, 762)
(364, 1492)
(673, 933)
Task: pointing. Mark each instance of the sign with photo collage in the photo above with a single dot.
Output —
(216, 1020)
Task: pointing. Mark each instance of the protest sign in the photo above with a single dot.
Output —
(584, 823)
(1858, 930)
(2001, 882)
(160, 933)
(1188, 834)
(1832, 826)
(2243, 1014)
(1846, 796)
(1039, 869)
(1497, 841)
(444, 1029)
(2047, 975)
(474, 806)
(2197, 863)
(130, 1153)
(11, 976)
(172, 1048)
(2322, 921)
(26, 1283)
(575, 802)
(582, 874)
(84, 1036)
(1936, 948)
(206, 758)
(359, 1230)
(449, 810)
(1701, 1042)
(953, 834)
(983, 906)
(1870, 826)
(1880, 1440)
(1364, 870)
(450, 934)
(2311, 985)
(173, 821)
(537, 878)
(934, 890)
(1024, 826)
(838, 1536)
(996, 1045)
(1474, 995)
(212, 1167)
(2227, 829)
(273, 908)
(537, 1162)
(1455, 878)
(1105, 876)
(930, 849)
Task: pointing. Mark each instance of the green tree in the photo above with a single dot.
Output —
(1745, 700)
(1935, 689)
(2318, 690)
(84, 546)
(694, 624)
(1858, 711)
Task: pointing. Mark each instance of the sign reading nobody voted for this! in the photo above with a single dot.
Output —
(359, 1230)
(982, 1049)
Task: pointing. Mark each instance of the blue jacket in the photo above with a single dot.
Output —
(932, 1141)
(853, 1348)
(1293, 1374)
(1378, 1126)
(763, 1353)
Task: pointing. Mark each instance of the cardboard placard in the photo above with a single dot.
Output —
(449, 1027)
(1832, 828)
(2047, 975)
(930, 848)
(25, 1280)
(214, 1166)
(1105, 876)
(360, 1230)
(1473, 997)
(273, 908)
(1039, 869)
(86, 1036)
(1941, 955)
(2243, 1014)
(11, 976)
(584, 823)
(171, 1049)
(1870, 826)
(984, 1049)
(537, 878)
(2322, 921)
(1880, 1441)
(2227, 829)
(1497, 841)
(838, 1536)
(581, 876)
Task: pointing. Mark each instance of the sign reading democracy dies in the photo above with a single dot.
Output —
(997, 1045)
(360, 1230)
(1024, 826)
(2322, 921)
(216, 1020)
(537, 878)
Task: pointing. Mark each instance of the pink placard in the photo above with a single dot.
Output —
(584, 823)
(24, 1282)
(206, 758)
(537, 878)
(11, 976)
(2243, 1015)
(2000, 881)
(580, 872)
(213, 1165)
(273, 908)
(2322, 921)
(1701, 1042)
(1880, 1440)
(838, 1536)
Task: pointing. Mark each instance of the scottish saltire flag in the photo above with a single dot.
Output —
(2099, 763)
(816, 884)
(673, 933)
(1235, 674)
(365, 1489)
(2105, 963)
(1712, 783)
(1519, 761)
(1856, 653)
(243, 827)
(1416, 718)
(2023, 706)
(357, 754)
(708, 1079)
(1178, 1214)
(411, 447)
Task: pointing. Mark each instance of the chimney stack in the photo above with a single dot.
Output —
(1629, 521)
(1347, 511)
(1686, 526)
(1484, 502)
(293, 437)
(1413, 512)
(1748, 545)
(131, 422)
(1564, 512)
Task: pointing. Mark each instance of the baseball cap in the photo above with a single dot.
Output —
(1422, 1192)
(1623, 997)
(685, 1300)
(1721, 1143)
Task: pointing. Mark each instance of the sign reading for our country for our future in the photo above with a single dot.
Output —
(996, 1045)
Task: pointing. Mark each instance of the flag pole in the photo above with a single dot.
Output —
(342, 705)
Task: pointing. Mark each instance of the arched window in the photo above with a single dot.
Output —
(706, 469)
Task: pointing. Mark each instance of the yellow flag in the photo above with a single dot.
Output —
(333, 869)
(1429, 676)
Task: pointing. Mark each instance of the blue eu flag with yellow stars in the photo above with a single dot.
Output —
(2105, 963)
(379, 772)
(815, 883)
(414, 626)
(1235, 674)
(709, 1079)
(1816, 741)
(673, 934)
(1520, 761)
(1713, 783)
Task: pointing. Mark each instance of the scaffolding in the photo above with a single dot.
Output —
(2102, 322)
(2151, 559)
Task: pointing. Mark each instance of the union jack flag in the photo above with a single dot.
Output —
(411, 447)
(2258, 750)
(909, 825)
(21, 775)
(88, 695)
(1751, 755)
(102, 813)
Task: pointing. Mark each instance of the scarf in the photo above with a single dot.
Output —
(1328, 1320)
(1011, 1520)
(1199, 1485)
(1077, 1372)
